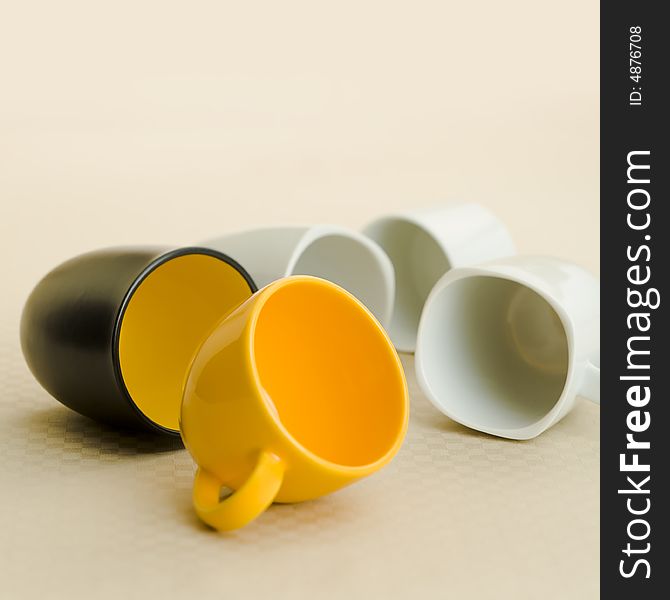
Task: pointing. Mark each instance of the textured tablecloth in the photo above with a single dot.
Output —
(87, 512)
(154, 122)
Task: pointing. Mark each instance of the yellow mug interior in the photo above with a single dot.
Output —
(331, 373)
(167, 317)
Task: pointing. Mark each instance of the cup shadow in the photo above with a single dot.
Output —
(431, 418)
(575, 423)
(301, 518)
(59, 427)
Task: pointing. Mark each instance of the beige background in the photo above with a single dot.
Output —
(141, 122)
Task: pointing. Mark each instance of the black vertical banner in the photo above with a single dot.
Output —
(635, 252)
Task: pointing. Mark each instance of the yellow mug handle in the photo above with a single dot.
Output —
(246, 503)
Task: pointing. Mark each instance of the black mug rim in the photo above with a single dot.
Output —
(137, 282)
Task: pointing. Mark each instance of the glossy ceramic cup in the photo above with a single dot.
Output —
(298, 392)
(341, 255)
(423, 245)
(111, 333)
(507, 347)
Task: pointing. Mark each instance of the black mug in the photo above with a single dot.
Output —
(112, 333)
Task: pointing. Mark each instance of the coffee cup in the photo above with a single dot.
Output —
(297, 393)
(425, 244)
(337, 254)
(507, 347)
(111, 333)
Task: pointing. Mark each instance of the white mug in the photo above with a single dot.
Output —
(506, 347)
(343, 256)
(425, 244)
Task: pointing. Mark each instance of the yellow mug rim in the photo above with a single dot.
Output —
(269, 411)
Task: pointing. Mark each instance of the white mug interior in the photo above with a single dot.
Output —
(419, 262)
(494, 354)
(351, 264)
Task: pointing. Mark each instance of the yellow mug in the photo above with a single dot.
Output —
(296, 393)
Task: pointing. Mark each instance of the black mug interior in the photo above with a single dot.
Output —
(166, 317)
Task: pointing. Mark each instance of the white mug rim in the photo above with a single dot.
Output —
(410, 218)
(312, 233)
(534, 284)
